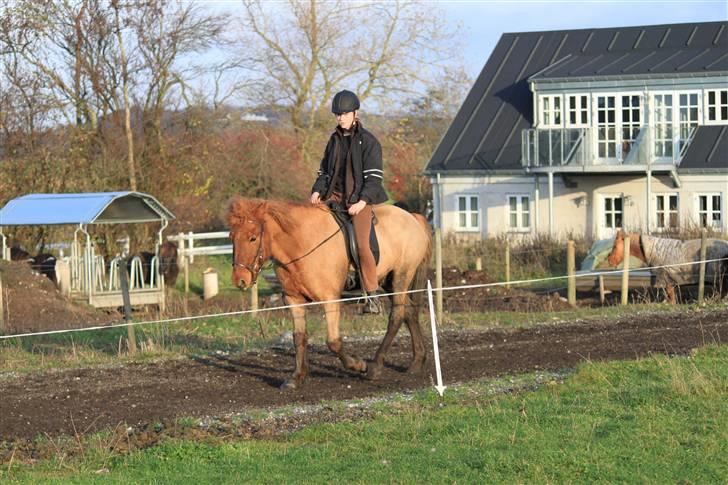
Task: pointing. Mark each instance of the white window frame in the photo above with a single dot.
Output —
(468, 227)
(578, 110)
(550, 122)
(603, 212)
(617, 126)
(679, 123)
(674, 107)
(719, 119)
(519, 212)
(709, 212)
(621, 154)
(665, 211)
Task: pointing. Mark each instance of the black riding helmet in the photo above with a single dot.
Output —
(344, 101)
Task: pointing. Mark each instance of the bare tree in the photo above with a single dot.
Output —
(303, 51)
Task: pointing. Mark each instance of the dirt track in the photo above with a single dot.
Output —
(85, 400)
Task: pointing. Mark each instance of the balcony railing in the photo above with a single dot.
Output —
(556, 147)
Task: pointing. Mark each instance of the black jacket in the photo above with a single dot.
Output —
(366, 160)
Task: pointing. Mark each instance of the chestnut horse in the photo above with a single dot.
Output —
(664, 252)
(311, 262)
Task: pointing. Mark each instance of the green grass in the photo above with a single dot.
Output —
(657, 420)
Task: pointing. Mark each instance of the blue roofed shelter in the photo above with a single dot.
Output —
(89, 278)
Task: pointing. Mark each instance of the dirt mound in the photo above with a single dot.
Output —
(493, 298)
(33, 303)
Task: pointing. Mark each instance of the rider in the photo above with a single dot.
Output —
(351, 174)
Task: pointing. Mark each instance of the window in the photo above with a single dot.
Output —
(663, 125)
(717, 104)
(519, 212)
(551, 111)
(630, 122)
(612, 212)
(688, 117)
(666, 211)
(709, 212)
(468, 213)
(606, 127)
(577, 110)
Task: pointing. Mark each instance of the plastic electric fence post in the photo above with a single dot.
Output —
(602, 296)
(436, 349)
(479, 264)
(571, 271)
(701, 280)
(131, 335)
(625, 270)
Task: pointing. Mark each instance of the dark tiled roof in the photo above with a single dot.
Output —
(486, 132)
(708, 150)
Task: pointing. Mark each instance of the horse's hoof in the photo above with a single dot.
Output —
(416, 367)
(373, 372)
(291, 384)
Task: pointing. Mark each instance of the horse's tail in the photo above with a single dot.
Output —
(419, 282)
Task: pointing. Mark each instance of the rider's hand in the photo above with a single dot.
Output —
(315, 198)
(357, 208)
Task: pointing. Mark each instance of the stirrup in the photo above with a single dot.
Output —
(371, 305)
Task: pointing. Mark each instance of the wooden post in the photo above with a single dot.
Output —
(571, 271)
(602, 297)
(2, 307)
(625, 270)
(254, 297)
(130, 332)
(187, 275)
(438, 274)
(701, 280)
(479, 264)
(508, 264)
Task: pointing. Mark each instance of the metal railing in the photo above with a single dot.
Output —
(555, 147)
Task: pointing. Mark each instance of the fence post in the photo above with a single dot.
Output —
(190, 246)
(254, 297)
(2, 306)
(701, 280)
(508, 264)
(625, 270)
(438, 273)
(479, 264)
(602, 296)
(130, 332)
(571, 271)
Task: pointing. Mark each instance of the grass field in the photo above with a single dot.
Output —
(657, 420)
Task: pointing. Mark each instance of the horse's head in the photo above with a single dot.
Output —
(246, 220)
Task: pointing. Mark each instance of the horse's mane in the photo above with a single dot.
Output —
(241, 209)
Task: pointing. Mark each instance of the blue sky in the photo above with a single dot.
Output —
(483, 22)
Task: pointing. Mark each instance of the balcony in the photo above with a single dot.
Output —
(572, 150)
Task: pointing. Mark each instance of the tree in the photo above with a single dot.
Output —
(301, 54)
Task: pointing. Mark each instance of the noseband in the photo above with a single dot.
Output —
(256, 265)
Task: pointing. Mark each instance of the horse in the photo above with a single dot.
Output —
(655, 251)
(168, 267)
(311, 262)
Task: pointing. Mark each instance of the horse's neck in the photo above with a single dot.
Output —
(289, 242)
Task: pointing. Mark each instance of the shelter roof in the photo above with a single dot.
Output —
(84, 208)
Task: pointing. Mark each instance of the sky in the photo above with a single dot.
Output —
(483, 22)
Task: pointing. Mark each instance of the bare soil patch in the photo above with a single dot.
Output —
(81, 401)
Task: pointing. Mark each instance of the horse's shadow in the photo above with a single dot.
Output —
(265, 373)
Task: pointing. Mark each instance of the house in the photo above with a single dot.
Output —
(588, 131)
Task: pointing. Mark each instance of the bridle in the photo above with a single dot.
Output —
(256, 265)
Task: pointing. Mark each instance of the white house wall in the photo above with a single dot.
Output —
(577, 210)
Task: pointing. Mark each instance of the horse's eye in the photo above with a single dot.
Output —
(253, 238)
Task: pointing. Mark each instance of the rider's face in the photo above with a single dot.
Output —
(345, 120)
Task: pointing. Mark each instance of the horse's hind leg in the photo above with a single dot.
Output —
(300, 340)
(333, 316)
(419, 355)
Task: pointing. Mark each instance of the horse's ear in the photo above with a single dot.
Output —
(236, 211)
(259, 210)
(619, 236)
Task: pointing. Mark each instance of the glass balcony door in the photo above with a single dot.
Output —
(606, 116)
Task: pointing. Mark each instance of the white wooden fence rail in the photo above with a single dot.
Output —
(188, 249)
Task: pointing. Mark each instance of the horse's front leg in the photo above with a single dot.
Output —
(300, 339)
(333, 316)
(671, 295)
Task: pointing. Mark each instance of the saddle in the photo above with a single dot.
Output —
(343, 219)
